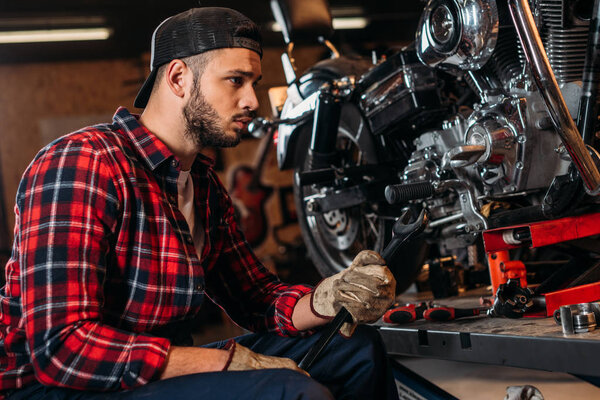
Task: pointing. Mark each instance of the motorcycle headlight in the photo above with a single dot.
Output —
(457, 34)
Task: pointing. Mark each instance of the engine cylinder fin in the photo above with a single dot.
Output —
(565, 43)
(565, 40)
(508, 63)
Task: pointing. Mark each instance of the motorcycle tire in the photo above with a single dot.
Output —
(333, 239)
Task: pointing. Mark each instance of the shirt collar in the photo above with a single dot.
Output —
(151, 149)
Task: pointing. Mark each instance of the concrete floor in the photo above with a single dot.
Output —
(469, 381)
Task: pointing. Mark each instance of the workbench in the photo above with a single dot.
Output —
(535, 343)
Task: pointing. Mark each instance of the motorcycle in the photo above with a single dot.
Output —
(474, 121)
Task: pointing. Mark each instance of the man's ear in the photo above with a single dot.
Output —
(178, 78)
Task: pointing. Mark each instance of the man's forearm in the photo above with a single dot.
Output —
(192, 360)
(303, 318)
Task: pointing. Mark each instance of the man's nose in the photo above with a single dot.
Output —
(249, 99)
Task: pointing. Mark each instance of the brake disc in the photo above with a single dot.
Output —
(338, 228)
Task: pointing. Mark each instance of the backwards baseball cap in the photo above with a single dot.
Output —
(196, 31)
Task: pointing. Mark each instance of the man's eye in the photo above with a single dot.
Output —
(236, 80)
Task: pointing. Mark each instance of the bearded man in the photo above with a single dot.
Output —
(124, 229)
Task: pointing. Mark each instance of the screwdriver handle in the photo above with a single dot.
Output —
(404, 314)
(449, 313)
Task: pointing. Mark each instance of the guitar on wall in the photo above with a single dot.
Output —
(249, 195)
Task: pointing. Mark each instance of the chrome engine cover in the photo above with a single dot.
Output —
(513, 136)
(507, 145)
(521, 149)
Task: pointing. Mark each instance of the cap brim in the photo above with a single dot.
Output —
(144, 94)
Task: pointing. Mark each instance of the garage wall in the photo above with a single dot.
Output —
(39, 102)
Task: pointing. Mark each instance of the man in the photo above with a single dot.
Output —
(123, 229)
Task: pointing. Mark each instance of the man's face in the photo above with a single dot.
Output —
(223, 101)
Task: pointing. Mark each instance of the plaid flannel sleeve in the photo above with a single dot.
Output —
(68, 204)
(251, 295)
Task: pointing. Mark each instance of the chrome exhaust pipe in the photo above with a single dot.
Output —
(546, 82)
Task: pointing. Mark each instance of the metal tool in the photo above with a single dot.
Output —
(403, 231)
(512, 300)
(578, 318)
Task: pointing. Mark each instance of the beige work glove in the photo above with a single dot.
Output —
(243, 359)
(366, 289)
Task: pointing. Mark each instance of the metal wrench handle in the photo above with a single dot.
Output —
(342, 316)
(403, 231)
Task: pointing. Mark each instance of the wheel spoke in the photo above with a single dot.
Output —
(369, 219)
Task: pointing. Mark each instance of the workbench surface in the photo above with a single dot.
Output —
(536, 343)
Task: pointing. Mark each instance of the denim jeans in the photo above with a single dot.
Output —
(354, 368)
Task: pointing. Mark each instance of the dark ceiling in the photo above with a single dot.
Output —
(133, 22)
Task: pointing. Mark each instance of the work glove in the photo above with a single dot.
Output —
(366, 289)
(243, 359)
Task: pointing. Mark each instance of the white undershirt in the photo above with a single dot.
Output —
(185, 194)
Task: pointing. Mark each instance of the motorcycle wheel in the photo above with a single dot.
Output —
(334, 238)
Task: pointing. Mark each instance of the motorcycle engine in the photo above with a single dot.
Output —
(504, 145)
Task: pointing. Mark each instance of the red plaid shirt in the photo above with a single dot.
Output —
(104, 273)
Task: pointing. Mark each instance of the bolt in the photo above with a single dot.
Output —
(312, 206)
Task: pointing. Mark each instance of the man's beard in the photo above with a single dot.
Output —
(203, 125)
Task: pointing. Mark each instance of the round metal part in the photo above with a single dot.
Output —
(498, 139)
(338, 228)
(457, 35)
(584, 322)
(501, 162)
(336, 220)
(443, 24)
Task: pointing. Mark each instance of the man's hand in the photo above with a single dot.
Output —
(366, 289)
(242, 359)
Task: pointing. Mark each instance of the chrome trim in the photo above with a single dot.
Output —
(545, 80)
(468, 203)
(470, 38)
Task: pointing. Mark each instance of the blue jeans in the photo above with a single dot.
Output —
(354, 368)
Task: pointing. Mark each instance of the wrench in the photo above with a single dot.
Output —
(403, 231)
